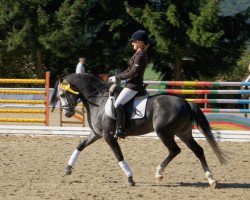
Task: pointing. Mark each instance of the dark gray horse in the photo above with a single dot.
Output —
(167, 115)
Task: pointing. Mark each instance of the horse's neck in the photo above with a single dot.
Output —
(99, 100)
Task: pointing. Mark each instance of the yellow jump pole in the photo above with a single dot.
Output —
(22, 92)
(47, 78)
(28, 120)
(22, 101)
(34, 111)
(23, 81)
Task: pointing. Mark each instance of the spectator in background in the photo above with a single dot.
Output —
(80, 68)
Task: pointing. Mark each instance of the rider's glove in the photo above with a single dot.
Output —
(112, 79)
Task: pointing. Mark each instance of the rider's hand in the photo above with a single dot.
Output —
(112, 79)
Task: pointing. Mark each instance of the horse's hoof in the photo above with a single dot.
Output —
(158, 179)
(131, 182)
(68, 170)
(214, 184)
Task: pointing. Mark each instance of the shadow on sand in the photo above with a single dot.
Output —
(204, 185)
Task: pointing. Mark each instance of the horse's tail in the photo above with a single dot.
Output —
(204, 126)
(54, 97)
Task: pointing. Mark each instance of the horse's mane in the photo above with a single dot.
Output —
(83, 81)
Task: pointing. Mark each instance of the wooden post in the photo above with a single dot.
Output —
(47, 78)
(60, 113)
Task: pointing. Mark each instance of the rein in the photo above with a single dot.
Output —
(87, 100)
(91, 95)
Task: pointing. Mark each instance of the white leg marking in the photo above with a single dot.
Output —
(74, 157)
(126, 168)
(159, 174)
(211, 181)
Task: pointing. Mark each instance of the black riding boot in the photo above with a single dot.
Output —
(120, 122)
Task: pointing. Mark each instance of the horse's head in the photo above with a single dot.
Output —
(69, 98)
(74, 87)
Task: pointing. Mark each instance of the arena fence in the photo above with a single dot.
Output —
(17, 91)
(220, 135)
(216, 120)
(224, 118)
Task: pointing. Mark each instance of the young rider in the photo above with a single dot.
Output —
(133, 76)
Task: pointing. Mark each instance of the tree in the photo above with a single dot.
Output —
(193, 41)
(52, 35)
(24, 24)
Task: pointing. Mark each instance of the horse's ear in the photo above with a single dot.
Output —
(60, 79)
(65, 85)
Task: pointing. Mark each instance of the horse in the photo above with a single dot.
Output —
(168, 115)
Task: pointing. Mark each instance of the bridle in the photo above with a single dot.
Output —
(80, 96)
(69, 102)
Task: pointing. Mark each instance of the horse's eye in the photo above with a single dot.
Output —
(62, 95)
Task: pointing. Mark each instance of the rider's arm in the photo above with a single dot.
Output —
(133, 70)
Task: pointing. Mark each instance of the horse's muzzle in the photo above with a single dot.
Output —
(69, 114)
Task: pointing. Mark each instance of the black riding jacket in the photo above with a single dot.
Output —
(135, 72)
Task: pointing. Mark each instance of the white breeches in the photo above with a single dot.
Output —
(125, 95)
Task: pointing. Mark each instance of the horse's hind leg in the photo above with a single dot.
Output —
(174, 150)
(199, 152)
(91, 138)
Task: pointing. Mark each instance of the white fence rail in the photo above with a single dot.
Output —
(220, 135)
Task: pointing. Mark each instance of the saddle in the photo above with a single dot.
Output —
(134, 109)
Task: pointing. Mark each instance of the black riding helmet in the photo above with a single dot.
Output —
(140, 35)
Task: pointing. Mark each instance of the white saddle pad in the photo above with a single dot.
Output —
(139, 107)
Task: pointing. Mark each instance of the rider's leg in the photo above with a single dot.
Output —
(125, 95)
(120, 121)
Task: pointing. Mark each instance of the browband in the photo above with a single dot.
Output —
(66, 86)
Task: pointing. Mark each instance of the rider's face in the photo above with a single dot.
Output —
(136, 45)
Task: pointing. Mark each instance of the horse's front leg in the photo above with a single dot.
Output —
(114, 145)
(91, 138)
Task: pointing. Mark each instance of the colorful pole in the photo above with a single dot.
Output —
(197, 83)
(179, 91)
(215, 110)
(226, 101)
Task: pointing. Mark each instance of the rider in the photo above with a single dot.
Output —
(133, 76)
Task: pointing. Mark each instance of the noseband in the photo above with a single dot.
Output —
(69, 103)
